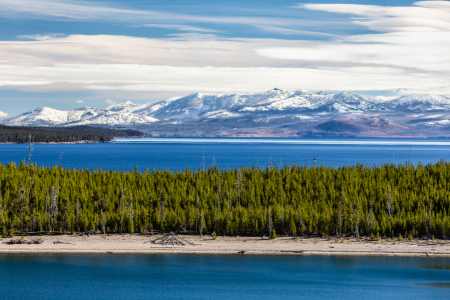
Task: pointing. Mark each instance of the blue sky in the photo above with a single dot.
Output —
(66, 54)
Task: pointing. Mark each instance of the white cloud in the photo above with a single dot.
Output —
(193, 36)
(410, 57)
(181, 27)
(98, 11)
(39, 37)
(110, 102)
(180, 51)
(80, 101)
(209, 79)
(422, 16)
(385, 98)
(288, 31)
(403, 61)
(418, 52)
(3, 115)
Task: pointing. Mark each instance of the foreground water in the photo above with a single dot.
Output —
(90, 276)
(180, 153)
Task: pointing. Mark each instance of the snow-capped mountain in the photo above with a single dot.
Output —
(419, 103)
(273, 108)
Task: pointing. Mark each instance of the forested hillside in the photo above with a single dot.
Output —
(387, 200)
(18, 134)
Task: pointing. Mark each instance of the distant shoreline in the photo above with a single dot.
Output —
(61, 143)
(139, 244)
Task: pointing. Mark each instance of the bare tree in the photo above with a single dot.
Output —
(131, 212)
(228, 209)
(269, 221)
(219, 195)
(196, 212)
(240, 185)
(103, 223)
(53, 207)
(203, 160)
(1, 206)
(430, 215)
(149, 212)
(59, 160)
(201, 224)
(371, 214)
(340, 210)
(389, 203)
(162, 203)
(77, 209)
(282, 215)
(122, 209)
(30, 148)
(32, 204)
(47, 210)
(356, 213)
(213, 162)
(300, 219)
(21, 202)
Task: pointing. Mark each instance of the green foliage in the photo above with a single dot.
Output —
(214, 236)
(131, 226)
(11, 233)
(316, 200)
(11, 134)
(273, 235)
(4, 231)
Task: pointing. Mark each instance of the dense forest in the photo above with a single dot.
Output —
(9, 134)
(387, 200)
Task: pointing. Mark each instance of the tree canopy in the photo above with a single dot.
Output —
(350, 200)
(21, 135)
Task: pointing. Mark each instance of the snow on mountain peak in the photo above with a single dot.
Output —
(199, 106)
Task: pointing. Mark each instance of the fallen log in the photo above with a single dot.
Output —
(170, 238)
(26, 242)
(59, 242)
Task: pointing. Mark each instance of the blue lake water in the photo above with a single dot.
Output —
(88, 276)
(91, 276)
(179, 153)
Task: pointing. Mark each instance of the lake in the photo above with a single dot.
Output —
(92, 276)
(180, 153)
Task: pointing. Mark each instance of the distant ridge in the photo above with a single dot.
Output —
(74, 134)
(271, 113)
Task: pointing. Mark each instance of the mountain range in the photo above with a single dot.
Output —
(272, 113)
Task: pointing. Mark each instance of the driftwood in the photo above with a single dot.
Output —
(26, 242)
(241, 252)
(170, 239)
(59, 242)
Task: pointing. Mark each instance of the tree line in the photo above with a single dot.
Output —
(21, 135)
(386, 200)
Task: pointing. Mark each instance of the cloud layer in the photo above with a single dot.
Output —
(421, 16)
(405, 52)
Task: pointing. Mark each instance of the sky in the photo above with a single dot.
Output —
(67, 54)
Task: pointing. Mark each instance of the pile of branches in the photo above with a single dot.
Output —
(26, 242)
(59, 242)
(170, 239)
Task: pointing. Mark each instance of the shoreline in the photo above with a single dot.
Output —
(139, 244)
(60, 143)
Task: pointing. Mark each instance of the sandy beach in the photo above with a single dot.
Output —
(140, 244)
